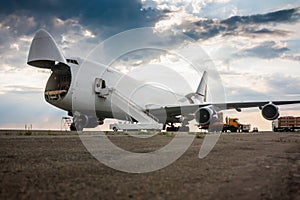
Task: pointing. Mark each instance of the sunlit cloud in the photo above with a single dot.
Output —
(88, 33)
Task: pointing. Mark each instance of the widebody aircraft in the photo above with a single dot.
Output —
(95, 97)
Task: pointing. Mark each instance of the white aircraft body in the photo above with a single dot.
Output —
(96, 97)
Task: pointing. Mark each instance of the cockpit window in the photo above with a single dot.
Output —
(72, 61)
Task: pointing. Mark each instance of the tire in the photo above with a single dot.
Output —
(115, 129)
(233, 129)
(73, 127)
(172, 129)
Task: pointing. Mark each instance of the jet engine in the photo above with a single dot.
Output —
(205, 115)
(270, 111)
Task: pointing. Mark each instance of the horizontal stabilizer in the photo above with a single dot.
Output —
(43, 51)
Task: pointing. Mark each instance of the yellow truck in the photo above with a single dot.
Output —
(233, 125)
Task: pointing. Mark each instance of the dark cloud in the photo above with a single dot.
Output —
(289, 16)
(67, 21)
(241, 25)
(203, 29)
(250, 26)
(117, 15)
(267, 50)
(265, 31)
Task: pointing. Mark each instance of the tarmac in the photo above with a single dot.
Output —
(56, 165)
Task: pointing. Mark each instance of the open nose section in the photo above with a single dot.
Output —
(58, 83)
(44, 52)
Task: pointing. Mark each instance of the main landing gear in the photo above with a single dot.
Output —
(172, 128)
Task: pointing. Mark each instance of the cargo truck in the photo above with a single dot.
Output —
(233, 125)
(286, 124)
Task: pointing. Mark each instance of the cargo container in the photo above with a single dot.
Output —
(286, 123)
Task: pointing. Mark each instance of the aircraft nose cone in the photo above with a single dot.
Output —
(43, 51)
(41, 34)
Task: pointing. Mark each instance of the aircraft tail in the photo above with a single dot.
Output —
(202, 88)
(44, 51)
(201, 92)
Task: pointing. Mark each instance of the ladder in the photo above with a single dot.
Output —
(146, 120)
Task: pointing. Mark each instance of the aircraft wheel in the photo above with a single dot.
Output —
(115, 129)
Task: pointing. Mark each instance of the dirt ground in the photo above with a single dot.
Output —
(241, 166)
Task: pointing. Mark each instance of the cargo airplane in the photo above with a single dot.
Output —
(97, 98)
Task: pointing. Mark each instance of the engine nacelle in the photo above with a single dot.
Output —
(270, 111)
(205, 115)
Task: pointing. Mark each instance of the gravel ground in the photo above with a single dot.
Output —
(241, 166)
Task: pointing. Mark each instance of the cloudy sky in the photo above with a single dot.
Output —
(255, 46)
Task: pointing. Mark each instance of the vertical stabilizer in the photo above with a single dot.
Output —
(200, 94)
(202, 88)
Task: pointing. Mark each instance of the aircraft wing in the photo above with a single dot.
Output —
(257, 104)
(192, 108)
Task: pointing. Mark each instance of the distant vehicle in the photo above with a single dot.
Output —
(245, 128)
(255, 129)
(233, 125)
(286, 123)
